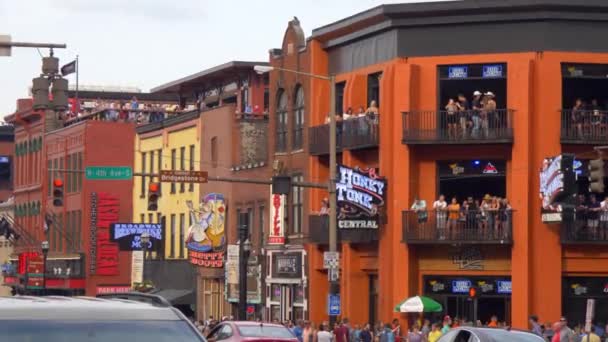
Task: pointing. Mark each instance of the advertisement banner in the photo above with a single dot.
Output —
(276, 235)
(137, 267)
(205, 240)
(361, 195)
(557, 183)
(128, 236)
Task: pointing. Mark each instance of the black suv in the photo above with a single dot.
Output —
(125, 317)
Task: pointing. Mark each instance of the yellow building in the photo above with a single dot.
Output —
(168, 145)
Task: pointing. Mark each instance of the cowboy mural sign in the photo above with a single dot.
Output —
(206, 240)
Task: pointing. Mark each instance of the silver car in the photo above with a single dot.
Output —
(129, 317)
(469, 334)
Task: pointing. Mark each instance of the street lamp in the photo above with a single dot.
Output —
(145, 241)
(244, 249)
(334, 285)
(45, 253)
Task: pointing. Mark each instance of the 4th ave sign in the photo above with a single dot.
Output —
(176, 176)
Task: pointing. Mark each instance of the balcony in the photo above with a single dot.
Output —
(471, 228)
(584, 127)
(360, 133)
(580, 232)
(318, 139)
(437, 127)
(318, 232)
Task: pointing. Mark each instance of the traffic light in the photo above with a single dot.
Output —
(60, 94)
(281, 185)
(40, 92)
(596, 175)
(57, 192)
(153, 194)
(472, 292)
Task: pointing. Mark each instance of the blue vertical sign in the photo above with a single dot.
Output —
(333, 305)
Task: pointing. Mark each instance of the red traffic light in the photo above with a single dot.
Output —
(153, 187)
(57, 182)
(472, 292)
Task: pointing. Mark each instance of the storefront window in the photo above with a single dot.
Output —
(299, 294)
(275, 312)
(298, 313)
(275, 294)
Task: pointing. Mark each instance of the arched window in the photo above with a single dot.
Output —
(281, 123)
(298, 119)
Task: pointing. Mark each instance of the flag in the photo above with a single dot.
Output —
(69, 68)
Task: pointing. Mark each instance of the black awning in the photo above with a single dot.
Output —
(177, 297)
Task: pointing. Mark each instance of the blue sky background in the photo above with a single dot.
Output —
(146, 43)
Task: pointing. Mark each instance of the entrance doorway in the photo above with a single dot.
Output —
(463, 308)
(287, 302)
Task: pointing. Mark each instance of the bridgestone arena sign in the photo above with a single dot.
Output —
(361, 195)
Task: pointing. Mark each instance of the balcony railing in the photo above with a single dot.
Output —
(466, 127)
(472, 227)
(318, 232)
(585, 231)
(361, 132)
(584, 126)
(318, 139)
(137, 116)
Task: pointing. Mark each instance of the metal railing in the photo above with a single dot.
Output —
(464, 127)
(584, 126)
(137, 116)
(318, 139)
(467, 227)
(585, 229)
(361, 132)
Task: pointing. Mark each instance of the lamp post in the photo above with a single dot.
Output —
(145, 241)
(334, 285)
(45, 253)
(244, 249)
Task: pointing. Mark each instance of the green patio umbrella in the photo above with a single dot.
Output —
(418, 304)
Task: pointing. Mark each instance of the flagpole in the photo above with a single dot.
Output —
(77, 100)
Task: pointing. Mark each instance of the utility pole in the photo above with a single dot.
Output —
(334, 284)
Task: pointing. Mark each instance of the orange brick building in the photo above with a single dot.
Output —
(536, 59)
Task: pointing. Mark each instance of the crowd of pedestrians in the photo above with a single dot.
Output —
(560, 331)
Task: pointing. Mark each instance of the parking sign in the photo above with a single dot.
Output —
(333, 306)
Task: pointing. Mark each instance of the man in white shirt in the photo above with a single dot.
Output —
(441, 212)
(323, 335)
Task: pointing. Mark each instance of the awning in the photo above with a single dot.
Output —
(177, 297)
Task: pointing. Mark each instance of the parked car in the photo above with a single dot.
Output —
(127, 317)
(236, 331)
(469, 334)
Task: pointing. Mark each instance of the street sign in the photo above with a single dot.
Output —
(109, 172)
(334, 274)
(333, 305)
(5, 50)
(331, 259)
(177, 176)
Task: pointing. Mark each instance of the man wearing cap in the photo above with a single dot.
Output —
(477, 107)
(565, 334)
(489, 108)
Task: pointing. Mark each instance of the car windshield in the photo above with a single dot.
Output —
(97, 331)
(264, 331)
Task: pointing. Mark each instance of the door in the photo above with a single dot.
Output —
(286, 303)
(460, 307)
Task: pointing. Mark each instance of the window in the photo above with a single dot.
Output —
(281, 122)
(152, 166)
(191, 185)
(214, 152)
(143, 178)
(68, 230)
(297, 202)
(182, 234)
(68, 181)
(78, 229)
(340, 98)
(160, 167)
(142, 218)
(60, 236)
(158, 217)
(182, 166)
(373, 88)
(172, 239)
(80, 174)
(49, 175)
(150, 218)
(173, 161)
(298, 120)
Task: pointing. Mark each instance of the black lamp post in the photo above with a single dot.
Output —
(45, 253)
(244, 249)
(145, 242)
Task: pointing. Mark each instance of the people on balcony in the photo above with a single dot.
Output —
(324, 210)
(419, 207)
(453, 217)
(441, 211)
(591, 219)
(479, 118)
(587, 119)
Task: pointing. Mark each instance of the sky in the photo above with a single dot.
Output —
(146, 43)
